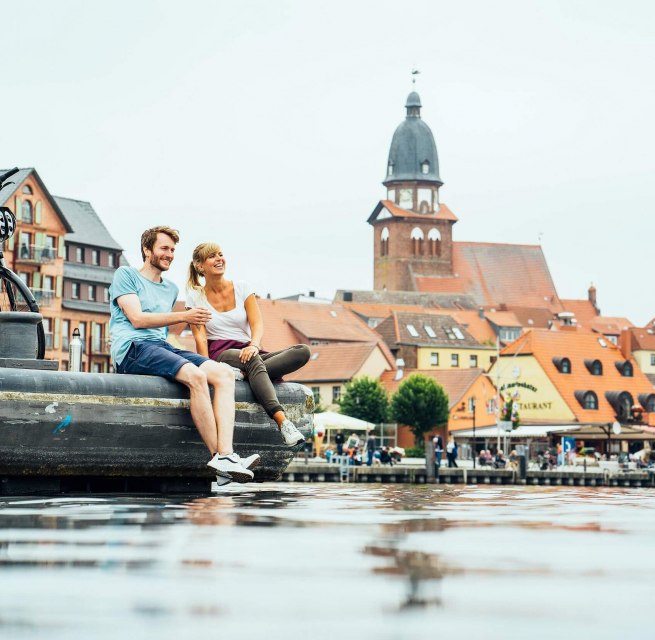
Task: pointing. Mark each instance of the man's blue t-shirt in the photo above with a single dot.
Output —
(155, 297)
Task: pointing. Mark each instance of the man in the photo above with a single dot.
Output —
(370, 448)
(141, 312)
(339, 440)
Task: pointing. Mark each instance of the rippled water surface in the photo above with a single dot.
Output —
(330, 561)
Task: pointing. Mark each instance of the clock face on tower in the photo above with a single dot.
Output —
(405, 198)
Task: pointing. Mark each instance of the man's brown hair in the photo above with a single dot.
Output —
(149, 237)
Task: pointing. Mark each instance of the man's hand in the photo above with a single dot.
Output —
(198, 316)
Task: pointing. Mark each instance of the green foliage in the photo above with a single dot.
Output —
(366, 399)
(421, 404)
(415, 452)
(510, 412)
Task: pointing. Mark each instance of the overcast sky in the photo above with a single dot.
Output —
(265, 126)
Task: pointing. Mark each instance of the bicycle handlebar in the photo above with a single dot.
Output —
(6, 175)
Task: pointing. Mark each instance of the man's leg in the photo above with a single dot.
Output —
(201, 406)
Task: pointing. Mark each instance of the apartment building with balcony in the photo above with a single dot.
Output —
(64, 253)
(36, 251)
(91, 255)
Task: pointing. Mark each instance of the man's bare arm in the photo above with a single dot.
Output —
(131, 306)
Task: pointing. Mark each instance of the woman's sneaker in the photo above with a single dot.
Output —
(230, 466)
(291, 435)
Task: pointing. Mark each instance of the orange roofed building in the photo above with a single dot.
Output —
(575, 378)
(467, 390)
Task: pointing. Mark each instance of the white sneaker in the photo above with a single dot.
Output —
(230, 466)
(291, 435)
(251, 462)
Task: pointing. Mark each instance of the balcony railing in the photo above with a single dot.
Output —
(43, 297)
(35, 253)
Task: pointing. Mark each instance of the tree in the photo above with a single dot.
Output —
(366, 399)
(421, 404)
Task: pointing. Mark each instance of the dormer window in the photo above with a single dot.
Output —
(595, 367)
(425, 167)
(647, 401)
(588, 400)
(563, 365)
(27, 190)
(625, 368)
(390, 169)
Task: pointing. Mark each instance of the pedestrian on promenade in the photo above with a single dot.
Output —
(370, 448)
(451, 451)
(438, 451)
(141, 306)
(233, 334)
(339, 439)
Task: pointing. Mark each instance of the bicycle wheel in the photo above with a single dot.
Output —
(15, 296)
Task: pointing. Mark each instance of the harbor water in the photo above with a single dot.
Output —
(331, 560)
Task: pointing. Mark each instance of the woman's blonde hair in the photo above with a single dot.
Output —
(200, 254)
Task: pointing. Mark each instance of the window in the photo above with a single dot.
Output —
(425, 167)
(412, 330)
(434, 240)
(65, 333)
(652, 359)
(449, 333)
(625, 368)
(595, 367)
(106, 294)
(27, 190)
(458, 334)
(48, 283)
(417, 236)
(316, 392)
(112, 259)
(25, 277)
(430, 331)
(92, 292)
(384, 242)
(336, 393)
(473, 361)
(491, 406)
(26, 213)
(82, 328)
(95, 367)
(434, 359)
(454, 360)
(471, 405)
(566, 365)
(79, 254)
(47, 329)
(25, 246)
(590, 400)
(390, 169)
(95, 257)
(75, 290)
(509, 334)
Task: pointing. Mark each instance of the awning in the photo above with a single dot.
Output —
(333, 420)
(524, 431)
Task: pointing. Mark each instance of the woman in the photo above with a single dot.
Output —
(234, 333)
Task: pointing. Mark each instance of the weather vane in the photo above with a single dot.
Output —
(415, 72)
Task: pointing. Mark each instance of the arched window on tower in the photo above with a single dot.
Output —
(390, 169)
(425, 167)
(417, 237)
(384, 242)
(434, 241)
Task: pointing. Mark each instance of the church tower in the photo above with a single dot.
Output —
(412, 230)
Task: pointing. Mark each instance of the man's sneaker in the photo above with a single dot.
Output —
(291, 435)
(230, 466)
(251, 462)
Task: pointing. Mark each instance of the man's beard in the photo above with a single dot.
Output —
(158, 264)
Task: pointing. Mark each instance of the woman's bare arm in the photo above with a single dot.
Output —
(255, 320)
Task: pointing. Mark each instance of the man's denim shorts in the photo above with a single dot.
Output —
(157, 358)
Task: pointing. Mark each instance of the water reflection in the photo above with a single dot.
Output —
(299, 559)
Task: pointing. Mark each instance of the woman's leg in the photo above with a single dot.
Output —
(259, 380)
(280, 363)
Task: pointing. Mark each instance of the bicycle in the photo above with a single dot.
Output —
(14, 293)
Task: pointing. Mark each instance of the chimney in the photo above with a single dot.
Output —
(592, 295)
(481, 312)
(312, 294)
(347, 296)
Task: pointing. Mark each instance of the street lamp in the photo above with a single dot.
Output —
(473, 408)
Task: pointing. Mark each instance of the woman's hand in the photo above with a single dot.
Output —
(247, 353)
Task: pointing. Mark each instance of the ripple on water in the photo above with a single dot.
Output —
(296, 560)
